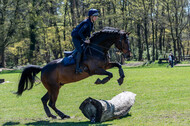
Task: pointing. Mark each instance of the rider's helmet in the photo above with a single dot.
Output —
(93, 12)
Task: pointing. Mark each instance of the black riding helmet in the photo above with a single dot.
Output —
(93, 12)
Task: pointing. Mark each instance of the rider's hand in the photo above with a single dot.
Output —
(87, 41)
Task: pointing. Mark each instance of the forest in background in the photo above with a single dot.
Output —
(38, 31)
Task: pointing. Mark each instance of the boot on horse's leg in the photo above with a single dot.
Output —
(44, 100)
(53, 99)
(78, 69)
(61, 114)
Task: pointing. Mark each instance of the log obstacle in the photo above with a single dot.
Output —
(102, 110)
(2, 80)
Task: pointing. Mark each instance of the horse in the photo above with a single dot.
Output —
(54, 75)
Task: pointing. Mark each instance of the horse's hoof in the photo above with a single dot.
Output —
(98, 81)
(120, 81)
(53, 117)
(92, 120)
(66, 117)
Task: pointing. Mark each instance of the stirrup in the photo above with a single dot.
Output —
(78, 71)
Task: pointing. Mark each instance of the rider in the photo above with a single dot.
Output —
(81, 32)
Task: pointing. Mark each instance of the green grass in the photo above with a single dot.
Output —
(10, 71)
(163, 98)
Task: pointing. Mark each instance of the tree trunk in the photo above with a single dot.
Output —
(54, 49)
(133, 48)
(72, 7)
(153, 47)
(139, 42)
(32, 32)
(77, 6)
(156, 31)
(58, 37)
(114, 11)
(6, 33)
(160, 39)
(146, 29)
(123, 13)
(64, 22)
(156, 42)
(177, 30)
(163, 40)
(108, 13)
(2, 57)
(146, 37)
(171, 27)
(32, 41)
(122, 59)
(2, 31)
(100, 21)
(103, 110)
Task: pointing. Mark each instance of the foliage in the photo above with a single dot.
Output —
(45, 26)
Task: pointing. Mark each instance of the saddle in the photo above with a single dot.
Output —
(68, 53)
(70, 56)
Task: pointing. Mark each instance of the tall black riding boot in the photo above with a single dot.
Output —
(78, 69)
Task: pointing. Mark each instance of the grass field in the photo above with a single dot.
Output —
(163, 98)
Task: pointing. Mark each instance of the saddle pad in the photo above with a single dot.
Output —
(68, 60)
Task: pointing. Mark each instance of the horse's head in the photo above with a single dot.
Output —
(123, 44)
(105, 38)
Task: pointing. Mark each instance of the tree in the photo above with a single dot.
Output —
(8, 25)
(146, 10)
(176, 25)
(43, 28)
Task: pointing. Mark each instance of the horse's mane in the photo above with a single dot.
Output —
(100, 35)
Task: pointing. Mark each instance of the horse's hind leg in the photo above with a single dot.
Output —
(45, 99)
(53, 99)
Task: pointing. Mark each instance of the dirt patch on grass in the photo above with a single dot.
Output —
(182, 65)
(135, 64)
(1, 69)
(176, 115)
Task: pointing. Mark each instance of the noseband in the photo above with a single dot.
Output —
(126, 41)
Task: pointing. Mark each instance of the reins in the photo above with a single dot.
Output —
(99, 46)
(94, 49)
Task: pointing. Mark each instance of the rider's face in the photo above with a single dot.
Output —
(94, 18)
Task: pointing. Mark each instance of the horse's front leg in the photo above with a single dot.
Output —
(101, 71)
(121, 73)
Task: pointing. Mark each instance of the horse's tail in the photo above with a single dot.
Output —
(27, 78)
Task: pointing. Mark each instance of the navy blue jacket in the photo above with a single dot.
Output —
(83, 30)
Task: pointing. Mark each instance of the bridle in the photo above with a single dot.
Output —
(126, 40)
(122, 36)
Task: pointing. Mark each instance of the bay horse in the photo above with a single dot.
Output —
(54, 75)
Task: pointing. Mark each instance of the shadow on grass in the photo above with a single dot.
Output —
(87, 123)
(48, 123)
(128, 115)
(11, 123)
